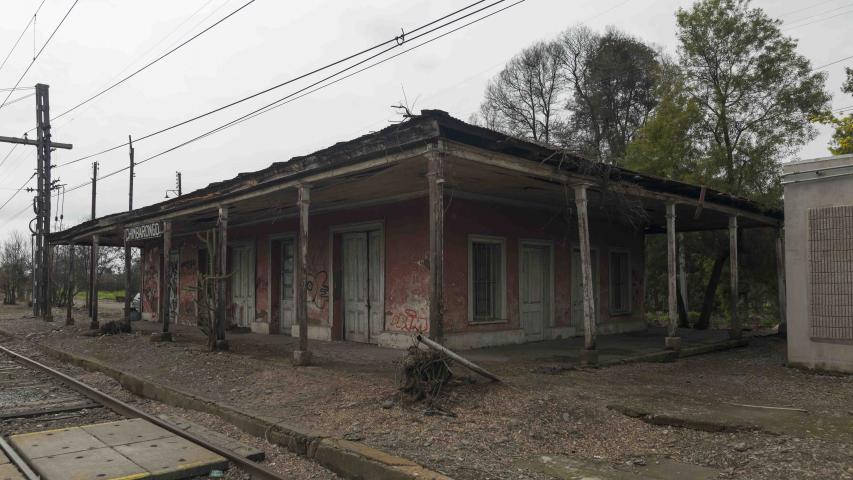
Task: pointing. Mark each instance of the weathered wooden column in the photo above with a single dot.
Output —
(93, 276)
(682, 273)
(735, 325)
(220, 343)
(435, 177)
(165, 279)
(780, 278)
(302, 356)
(69, 288)
(672, 342)
(127, 281)
(589, 355)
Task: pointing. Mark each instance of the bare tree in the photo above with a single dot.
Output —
(523, 98)
(14, 267)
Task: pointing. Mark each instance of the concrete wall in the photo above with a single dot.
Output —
(822, 191)
(406, 287)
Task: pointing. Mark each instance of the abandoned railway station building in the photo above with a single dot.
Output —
(431, 226)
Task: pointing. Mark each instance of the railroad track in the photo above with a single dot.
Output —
(31, 389)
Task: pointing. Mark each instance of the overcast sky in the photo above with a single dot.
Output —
(271, 41)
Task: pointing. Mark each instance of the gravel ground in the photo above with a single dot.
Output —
(497, 429)
(277, 459)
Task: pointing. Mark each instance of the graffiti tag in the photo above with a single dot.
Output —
(318, 289)
(410, 321)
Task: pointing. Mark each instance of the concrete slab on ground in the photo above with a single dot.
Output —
(716, 416)
(126, 431)
(98, 464)
(127, 449)
(215, 438)
(54, 442)
(9, 472)
(656, 468)
(172, 458)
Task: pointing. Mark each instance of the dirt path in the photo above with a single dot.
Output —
(505, 430)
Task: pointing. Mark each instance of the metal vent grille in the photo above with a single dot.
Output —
(831, 273)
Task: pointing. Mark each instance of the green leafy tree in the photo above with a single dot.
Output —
(842, 137)
(754, 92)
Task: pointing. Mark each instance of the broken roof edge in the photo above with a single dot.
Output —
(427, 127)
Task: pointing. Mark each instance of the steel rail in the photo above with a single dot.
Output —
(254, 469)
(16, 459)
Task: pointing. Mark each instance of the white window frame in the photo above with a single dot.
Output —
(610, 289)
(501, 288)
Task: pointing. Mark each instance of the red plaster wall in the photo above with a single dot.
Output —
(406, 275)
(406, 266)
(513, 224)
(151, 281)
(188, 280)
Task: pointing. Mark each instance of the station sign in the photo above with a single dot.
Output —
(143, 232)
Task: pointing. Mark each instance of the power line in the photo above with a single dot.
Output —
(18, 190)
(26, 27)
(805, 8)
(817, 21)
(149, 64)
(161, 41)
(293, 96)
(831, 63)
(35, 57)
(821, 13)
(397, 41)
(16, 215)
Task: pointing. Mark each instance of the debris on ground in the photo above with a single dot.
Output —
(423, 375)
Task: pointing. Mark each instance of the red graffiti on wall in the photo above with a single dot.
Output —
(410, 321)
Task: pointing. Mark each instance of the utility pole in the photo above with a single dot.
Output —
(93, 259)
(177, 189)
(41, 255)
(127, 257)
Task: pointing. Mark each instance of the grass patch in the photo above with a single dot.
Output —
(102, 295)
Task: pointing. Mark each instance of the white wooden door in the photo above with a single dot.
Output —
(535, 290)
(243, 284)
(288, 312)
(174, 288)
(356, 286)
(577, 286)
(376, 310)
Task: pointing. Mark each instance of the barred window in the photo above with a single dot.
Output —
(620, 283)
(486, 284)
(831, 273)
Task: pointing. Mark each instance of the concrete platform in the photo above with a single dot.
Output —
(126, 450)
(215, 438)
(9, 472)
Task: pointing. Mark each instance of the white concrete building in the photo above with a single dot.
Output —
(819, 262)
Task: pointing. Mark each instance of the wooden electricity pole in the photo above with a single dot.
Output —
(93, 254)
(127, 257)
(41, 255)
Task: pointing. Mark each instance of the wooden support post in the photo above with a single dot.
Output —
(780, 278)
(165, 283)
(435, 177)
(302, 356)
(673, 342)
(589, 354)
(682, 273)
(220, 342)
(93, 276)
(735, 332)
(70, 285)
(127, 279)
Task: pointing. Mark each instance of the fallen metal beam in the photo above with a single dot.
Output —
(455, 356)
